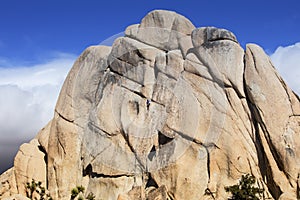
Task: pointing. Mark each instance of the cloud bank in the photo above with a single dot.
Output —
(28, 96)
(287, 62)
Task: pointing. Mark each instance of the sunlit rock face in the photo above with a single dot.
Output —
(169, 111)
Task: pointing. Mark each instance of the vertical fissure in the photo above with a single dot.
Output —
(43, 150)
(263, 163)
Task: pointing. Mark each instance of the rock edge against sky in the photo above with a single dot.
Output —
(216, 112)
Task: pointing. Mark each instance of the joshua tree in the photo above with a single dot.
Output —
(34, 189)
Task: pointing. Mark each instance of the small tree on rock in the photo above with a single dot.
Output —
(35, 190)
(245, 190)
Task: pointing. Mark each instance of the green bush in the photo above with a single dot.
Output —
(79, 191)
(245, 189)
(74, 193)
(91, 196)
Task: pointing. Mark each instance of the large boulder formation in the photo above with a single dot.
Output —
(170, 111)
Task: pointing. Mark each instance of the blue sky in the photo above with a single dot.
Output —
(33, 30)
(39, 41)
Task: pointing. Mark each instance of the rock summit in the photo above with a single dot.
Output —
(169, 111)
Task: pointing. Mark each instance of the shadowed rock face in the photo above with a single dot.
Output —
(168, 112)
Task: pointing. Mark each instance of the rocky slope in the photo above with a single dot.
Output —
(215, 112)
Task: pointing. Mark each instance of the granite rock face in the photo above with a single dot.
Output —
(170, 111)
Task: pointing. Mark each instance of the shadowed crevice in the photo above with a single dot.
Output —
(88, 171)
(151, 182)
(263, 163)
(152, 153)
(163, 139)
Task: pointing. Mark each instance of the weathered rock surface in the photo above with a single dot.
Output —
(16, 197)
(216, 112)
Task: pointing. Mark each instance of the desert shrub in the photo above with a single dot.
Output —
(79, 191)
(245, 190)
(91, 196)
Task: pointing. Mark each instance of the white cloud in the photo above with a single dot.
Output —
(28, 96)
(287, 62)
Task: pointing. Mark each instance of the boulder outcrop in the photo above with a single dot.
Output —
(169, 111)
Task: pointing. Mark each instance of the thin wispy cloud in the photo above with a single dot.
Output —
(287, 62)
